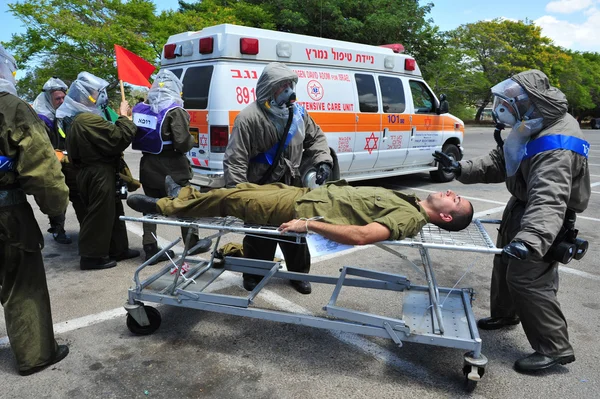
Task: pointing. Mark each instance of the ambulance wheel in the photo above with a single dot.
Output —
(441, 176)
(153, 317)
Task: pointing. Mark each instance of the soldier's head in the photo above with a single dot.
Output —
(87, 93)
(8, 71)
(448, 210)
(166, 90)
(276, 86)
(513, 107)
(55, 91)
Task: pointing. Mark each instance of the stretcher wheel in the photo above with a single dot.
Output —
(470, 385)
(154, 318)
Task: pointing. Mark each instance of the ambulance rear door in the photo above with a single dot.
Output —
(426, 131)
(368, 123)
(395, 135)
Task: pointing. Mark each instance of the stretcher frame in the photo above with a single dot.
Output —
(427, 310)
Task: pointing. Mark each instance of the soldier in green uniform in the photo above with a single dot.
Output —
(45, 105)
(27, 166)
(163, 136)
(94, 147)
(347, 214)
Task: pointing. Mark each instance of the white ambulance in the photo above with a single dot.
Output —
(380, 117)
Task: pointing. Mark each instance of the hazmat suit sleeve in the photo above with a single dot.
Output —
(316, 149)
(176, 127)
(97, 135)
(38, 170)
(237, 154)
(550, 175)
(485, 169)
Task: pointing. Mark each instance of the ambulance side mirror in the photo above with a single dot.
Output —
(443, 108)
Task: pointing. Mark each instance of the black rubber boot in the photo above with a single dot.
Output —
(171, 187)
(87, 263)
(143, 203)
(61, 353)
(151, 249)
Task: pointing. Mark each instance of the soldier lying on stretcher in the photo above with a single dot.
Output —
(348, 215)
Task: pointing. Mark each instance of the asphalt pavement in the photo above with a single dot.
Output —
(201, 354)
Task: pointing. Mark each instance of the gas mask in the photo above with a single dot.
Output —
(285, 96)
(102, 100)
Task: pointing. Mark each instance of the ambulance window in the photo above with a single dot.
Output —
(423, 100)
(367, 94)
(196, 83)
(392, 95)
(177, 72)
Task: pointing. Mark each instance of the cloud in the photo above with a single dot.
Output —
(568, 6)
(581, 37)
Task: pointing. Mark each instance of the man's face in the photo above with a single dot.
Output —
(448, 202)
(57, 98)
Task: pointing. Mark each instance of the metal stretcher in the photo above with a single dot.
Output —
(430, 314)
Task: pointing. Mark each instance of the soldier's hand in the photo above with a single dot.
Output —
(448, 163)
(323, 172)
(516, 250)
(124, 108)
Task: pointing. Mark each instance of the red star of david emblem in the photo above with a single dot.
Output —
(368, 146)
(203, 140)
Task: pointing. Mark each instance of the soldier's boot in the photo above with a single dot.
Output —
(61, 353)
(61, 236)
(152, 249)
(171, 187)
(89, 263)
(143, 203)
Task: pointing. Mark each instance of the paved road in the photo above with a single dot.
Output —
(197, 354)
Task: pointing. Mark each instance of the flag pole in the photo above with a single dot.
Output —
(122, 91)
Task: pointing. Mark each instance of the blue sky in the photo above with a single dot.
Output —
(573, 24)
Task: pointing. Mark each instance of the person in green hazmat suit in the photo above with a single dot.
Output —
(543, 162)
(45, 105)
(94, 146)
(163, 136)
(28, 166)
(251, 156)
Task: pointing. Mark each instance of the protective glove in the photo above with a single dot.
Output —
(448, 163)
(323, 172)
(516, 250)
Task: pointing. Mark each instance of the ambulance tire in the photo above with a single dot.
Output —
(441, 176)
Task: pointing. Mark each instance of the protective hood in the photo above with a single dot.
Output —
(272, 76)
(43, 102)
(550, 101)
(165, 90)
(8, 70)
(86, 94)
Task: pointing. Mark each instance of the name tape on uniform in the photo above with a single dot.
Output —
(143, 120)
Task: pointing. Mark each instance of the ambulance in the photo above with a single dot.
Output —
(380, 117)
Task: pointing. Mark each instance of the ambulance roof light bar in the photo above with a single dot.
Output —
(410, 64)
(206, 45)
(248, 46)
(396, 47)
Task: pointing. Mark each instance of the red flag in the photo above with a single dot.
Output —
(132, 68)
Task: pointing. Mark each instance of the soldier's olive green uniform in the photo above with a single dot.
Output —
(171, 161)
(274, 204)
(70, 173)
(95, 146)
(23, 289)
(543, 188)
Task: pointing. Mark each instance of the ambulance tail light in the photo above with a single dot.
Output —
(169, 50)
(206, 45)
(219, 137)
(248, 46)
(410, 64)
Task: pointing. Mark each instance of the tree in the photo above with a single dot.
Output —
(493, 51)
(64, 37)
